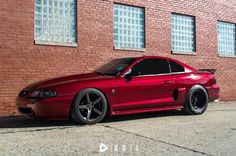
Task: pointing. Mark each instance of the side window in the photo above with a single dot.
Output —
(175, 67)
(151, 67)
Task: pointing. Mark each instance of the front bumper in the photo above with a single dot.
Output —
(57, 107)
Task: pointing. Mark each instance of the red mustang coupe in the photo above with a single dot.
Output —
(122, 86)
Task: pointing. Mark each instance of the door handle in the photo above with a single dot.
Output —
(168, 82)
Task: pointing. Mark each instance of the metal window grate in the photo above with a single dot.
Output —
(183, 33)
(226, 39)
(55, 21)
(128, 27)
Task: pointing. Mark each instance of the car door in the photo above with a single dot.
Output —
(151, 85)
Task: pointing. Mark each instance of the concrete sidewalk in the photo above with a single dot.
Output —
(161, 133)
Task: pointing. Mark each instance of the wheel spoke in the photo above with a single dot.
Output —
(97, 101)
(90, 108)
(97, 111)
(83, 107)
(198, 100)
(88, 98)
(193, 100)
(88, 115)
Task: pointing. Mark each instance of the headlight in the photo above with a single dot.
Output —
(47, 94)
(42, 94)
(33, 94)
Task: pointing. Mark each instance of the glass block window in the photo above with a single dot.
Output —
(183, 33)
(226, 38)
(55, 21)
(128, 27)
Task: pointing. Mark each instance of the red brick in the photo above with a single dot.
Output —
(22, 62)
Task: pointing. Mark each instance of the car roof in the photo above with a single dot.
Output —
(161, 57)
(187, 67)
(158, 57)
(145, 57)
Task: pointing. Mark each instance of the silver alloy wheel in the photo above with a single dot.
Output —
(91, 107)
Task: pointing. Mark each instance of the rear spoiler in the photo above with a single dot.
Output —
(212, 71)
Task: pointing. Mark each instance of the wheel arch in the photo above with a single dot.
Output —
(204, 88)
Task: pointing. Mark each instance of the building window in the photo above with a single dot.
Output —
(128, 27)
(183, 33)
(226, 39)
(55, 22)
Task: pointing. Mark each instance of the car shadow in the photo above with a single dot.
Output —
(27, 122)
(143, 116)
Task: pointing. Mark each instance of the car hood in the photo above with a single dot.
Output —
(64, 80)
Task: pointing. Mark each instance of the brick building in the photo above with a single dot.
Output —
(48, 38)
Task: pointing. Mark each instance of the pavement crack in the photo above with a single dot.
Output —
(36, 130)
(157, 140)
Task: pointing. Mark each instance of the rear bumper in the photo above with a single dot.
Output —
(214, 92)
(50, 108)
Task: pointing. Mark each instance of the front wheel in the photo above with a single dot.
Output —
(197, 100)
(89, 107)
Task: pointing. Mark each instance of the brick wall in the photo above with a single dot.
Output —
(22, 62)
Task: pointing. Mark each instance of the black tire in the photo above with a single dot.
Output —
(196, 101)
(89, 107)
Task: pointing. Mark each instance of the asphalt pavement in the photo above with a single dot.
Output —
(159, 133)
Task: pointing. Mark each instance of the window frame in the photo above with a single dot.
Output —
(151, 75)
(194, 52)
(60, 44)
(169, 61)
(144, 29)
(220, 53)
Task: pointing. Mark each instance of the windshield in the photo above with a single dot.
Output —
(114, 67)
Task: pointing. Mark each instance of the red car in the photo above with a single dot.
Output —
(122, 86)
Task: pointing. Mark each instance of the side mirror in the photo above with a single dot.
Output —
(128, 76)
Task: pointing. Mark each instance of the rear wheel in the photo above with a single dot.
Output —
(197, 100)
(89, 107)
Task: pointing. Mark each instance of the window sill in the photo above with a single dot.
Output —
(55, 44)
(183, 53)
(130, 49)
(227, 56)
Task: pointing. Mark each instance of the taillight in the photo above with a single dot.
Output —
(214, 81)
